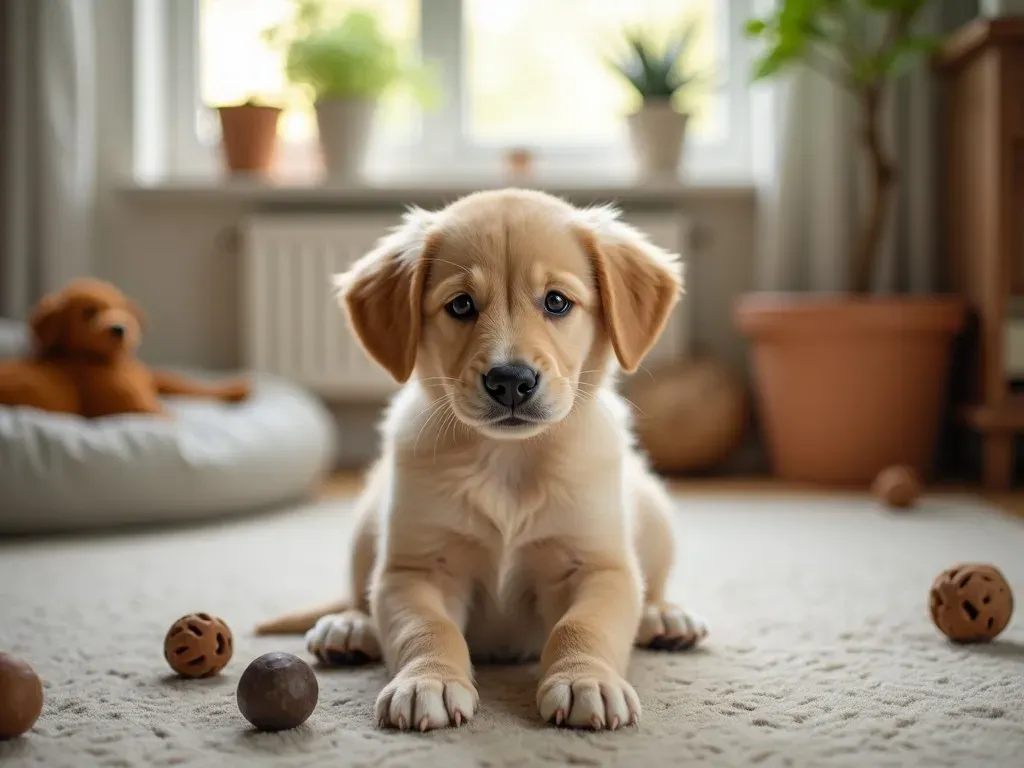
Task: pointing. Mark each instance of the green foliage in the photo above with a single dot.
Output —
(857, 43)
(344, 55)
(658, 72)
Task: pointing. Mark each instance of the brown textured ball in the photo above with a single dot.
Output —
(897, 487)
(21, 697)
(277, 691)
(971, 602)
(198, 645)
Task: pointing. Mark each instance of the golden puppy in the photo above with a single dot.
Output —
(509, 516)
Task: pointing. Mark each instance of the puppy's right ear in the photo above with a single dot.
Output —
(48, 323)
(383, 291)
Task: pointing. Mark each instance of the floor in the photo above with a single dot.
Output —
(349, 482)
(821, 652)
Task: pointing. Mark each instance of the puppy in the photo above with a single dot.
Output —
(510, 517)
(84, 339)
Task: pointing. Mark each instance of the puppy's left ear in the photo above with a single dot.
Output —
(639, 283)
(383, 292)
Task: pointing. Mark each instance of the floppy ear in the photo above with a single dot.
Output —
(639, 283)
(383, 291)
(48, 323)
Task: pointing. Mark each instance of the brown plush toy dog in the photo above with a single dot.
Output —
(83, 359)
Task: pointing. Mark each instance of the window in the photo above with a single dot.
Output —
(512, 73)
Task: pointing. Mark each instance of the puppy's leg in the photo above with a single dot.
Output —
(347, 635)
(664, 625)
(583, 664)
(342, 632)
(421, 614)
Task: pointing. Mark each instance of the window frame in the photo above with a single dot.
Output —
(442, 141)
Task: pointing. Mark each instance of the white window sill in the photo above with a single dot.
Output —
(258, 191)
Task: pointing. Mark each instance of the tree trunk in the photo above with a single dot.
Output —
(883, 180)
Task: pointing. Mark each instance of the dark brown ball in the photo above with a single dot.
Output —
(897, 487)
(971, 602)
(277, 691)
(21, 697)
(198, 645)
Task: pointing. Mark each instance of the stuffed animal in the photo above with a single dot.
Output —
(83, 359)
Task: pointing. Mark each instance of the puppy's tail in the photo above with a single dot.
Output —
(301, 621)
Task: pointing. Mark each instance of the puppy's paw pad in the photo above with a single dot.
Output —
(667, 627)
(596, 699)
(426, 702)
(344, 639)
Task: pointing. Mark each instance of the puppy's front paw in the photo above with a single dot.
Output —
(344, 639)
(425, 701)
(667, 627)
(587, 694)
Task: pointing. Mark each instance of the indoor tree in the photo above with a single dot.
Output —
(862, 46)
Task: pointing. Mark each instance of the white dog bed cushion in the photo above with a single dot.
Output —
(65, 472)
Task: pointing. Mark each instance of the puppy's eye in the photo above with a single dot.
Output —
(89, 313)
(556, 303)
(461, 307)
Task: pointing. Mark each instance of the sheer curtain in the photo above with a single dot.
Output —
(48, 153)
(811, 178)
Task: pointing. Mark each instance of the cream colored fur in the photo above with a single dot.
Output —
(546, 541)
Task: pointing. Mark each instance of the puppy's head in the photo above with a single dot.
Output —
(504, 301)
(88, 318)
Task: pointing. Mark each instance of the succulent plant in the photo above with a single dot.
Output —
(656, 72)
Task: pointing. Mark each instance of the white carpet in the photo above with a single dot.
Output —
(821, 652)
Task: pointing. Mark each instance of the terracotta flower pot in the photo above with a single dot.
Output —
(849, 386)
(249, 137)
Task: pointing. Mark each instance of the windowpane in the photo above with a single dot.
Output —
(235, 64)
(536, 73)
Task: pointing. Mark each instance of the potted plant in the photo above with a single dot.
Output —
(345, 64)
(249, 136)
(658, 77)
(851, 383)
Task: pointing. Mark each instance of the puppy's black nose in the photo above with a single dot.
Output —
(511, 385)
(117, 331)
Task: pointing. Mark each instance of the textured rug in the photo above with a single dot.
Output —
(821, 652)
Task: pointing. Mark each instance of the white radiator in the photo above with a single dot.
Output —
(294, 328)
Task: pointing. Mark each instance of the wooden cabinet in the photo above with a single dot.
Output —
(982, 69)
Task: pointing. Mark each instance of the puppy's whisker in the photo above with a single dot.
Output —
(443, 429)
(597, 388)
(435, 408)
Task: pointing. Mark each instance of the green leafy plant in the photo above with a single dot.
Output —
(344, 55)
(862, 46)
(658, 73)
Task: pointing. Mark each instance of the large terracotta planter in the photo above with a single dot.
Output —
(847, 387)
(249, 137)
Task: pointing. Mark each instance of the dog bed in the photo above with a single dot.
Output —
(60, 472)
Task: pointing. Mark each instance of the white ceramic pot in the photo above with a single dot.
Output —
(994, 8)
(657, 133)
(344, 126)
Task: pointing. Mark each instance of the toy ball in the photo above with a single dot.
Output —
(21, 697)
(277, 691)
(971, 603)
(198, 645)
(897, 487)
